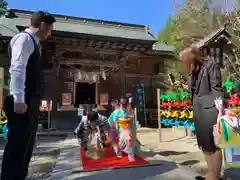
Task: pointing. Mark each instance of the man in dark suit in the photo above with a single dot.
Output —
(26, 89)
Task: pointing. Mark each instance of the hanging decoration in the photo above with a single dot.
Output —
(175, 110)
(227, 129)
(3, 124)
(228, 85)
(227, 133)
(234, 99)
(5, 86)
(89, 77)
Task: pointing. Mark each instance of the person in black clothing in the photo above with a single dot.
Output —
(26, 90)
(91, 122)
(82, 129)
(204, 85)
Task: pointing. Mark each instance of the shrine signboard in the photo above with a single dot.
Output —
(139, 98)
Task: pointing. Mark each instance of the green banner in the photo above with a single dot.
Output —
(139, 98)
(4, 85)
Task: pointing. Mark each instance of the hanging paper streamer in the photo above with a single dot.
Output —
(227, 133)
(229, 139)
(177, 123)
(3, 124)
(234, 99)
(176, 104)
(4, 85)
(176, 110)
(228, 128)
(177, 118)
(4, 130)
(228, 85)
(181, 95)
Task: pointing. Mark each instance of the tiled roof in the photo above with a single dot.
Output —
(78, 25)
(8, 27)
(162, 47)
(211, 37)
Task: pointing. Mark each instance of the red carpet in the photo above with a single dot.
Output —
(108, 161)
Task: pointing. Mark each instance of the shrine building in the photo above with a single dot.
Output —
(89, 61)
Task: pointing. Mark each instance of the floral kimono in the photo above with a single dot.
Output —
(113, 123)
(121, 128)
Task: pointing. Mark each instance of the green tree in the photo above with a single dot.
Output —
(3, 6)
(193, 20)
(165, 35)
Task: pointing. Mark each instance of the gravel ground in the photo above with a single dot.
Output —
(44, 156)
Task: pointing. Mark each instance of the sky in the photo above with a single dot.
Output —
(146, 12)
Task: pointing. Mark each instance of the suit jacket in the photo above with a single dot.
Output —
(208, 84)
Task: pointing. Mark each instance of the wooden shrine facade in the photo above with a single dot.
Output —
(115, 56)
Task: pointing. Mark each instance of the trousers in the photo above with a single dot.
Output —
(21, 139)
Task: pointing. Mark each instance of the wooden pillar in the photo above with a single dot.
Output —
(122, 87)
(55, 93)
(159, 116)
(55, 86)
(96, 93)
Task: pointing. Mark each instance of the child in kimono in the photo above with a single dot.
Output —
(121, 134)
(125, 139)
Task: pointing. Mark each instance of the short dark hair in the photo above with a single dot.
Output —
(41, 16)
(123, 101)
(93, 116)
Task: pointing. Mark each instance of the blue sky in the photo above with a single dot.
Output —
(147, 12)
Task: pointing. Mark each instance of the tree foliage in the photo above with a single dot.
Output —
(3, 6)
(195, 19)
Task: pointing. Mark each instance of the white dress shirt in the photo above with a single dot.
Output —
(22, 46)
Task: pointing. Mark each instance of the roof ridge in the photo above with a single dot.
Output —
(13, 19)
(82, 19)
(99, 24)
